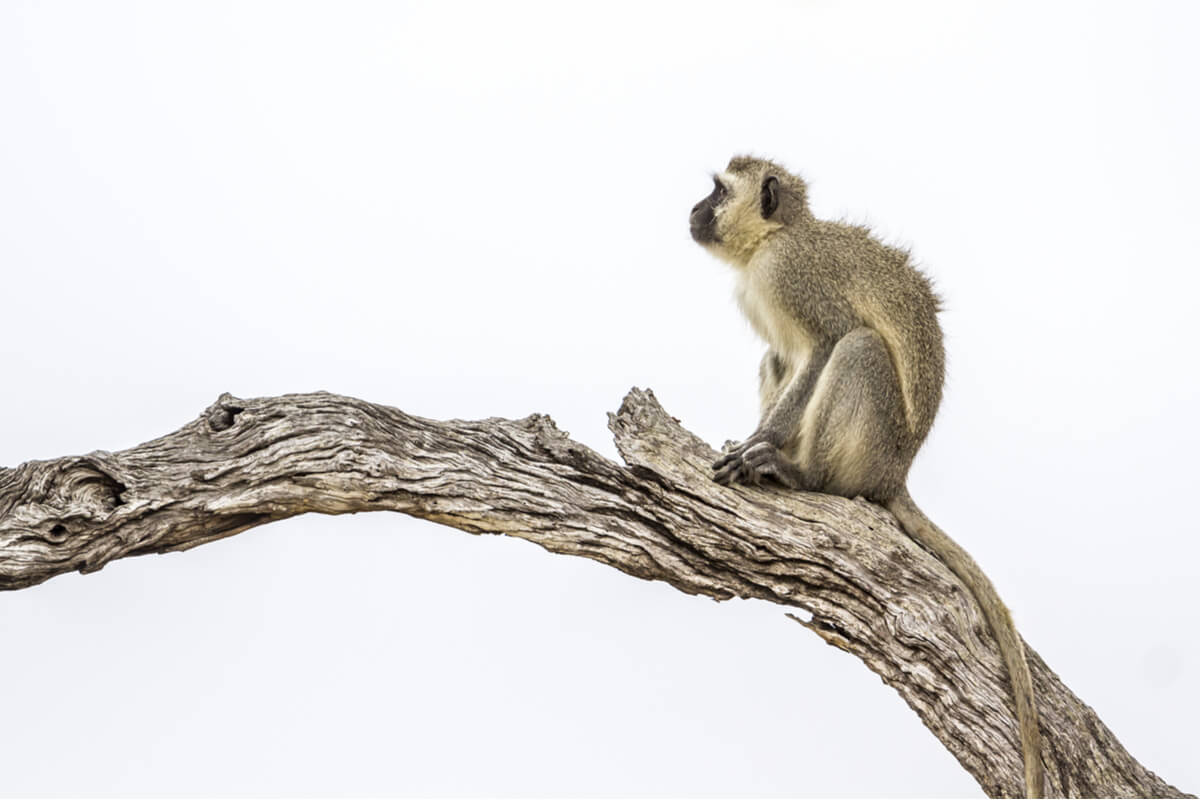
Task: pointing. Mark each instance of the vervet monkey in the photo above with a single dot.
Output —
(852, 376)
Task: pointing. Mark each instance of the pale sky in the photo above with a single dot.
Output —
(480, 210)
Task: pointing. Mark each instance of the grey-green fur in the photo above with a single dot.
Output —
(853, 375)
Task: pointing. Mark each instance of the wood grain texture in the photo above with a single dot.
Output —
(866, 587)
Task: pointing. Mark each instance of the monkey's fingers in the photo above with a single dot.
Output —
(729, 458)
(756, 476)
(759, 462)
(764, 460)
(727, 470)
(736, 453)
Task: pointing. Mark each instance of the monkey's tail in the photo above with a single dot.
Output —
(924, 532)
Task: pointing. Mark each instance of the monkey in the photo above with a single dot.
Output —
(852, 376)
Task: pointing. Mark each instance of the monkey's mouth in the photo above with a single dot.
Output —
(703, 223)
(704, 234)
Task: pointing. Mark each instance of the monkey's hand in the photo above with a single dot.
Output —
(752, 461)
(729, 466)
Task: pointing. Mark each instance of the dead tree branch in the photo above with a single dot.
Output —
(869, 589)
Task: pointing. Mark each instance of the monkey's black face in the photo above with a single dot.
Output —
(704, 215)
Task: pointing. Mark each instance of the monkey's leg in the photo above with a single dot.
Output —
(784, 392)
(854, 438)
(841, 441)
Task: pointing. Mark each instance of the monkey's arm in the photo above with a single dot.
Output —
(771, 372)
(759, 454)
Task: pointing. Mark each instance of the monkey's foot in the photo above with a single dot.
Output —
(752, 462)
(728, 467)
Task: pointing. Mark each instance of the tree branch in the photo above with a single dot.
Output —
(869, 589)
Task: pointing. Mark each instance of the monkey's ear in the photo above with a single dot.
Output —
(769, 197)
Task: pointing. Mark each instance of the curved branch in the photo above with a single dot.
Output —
(869, 589)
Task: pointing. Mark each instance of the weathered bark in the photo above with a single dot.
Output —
(870, 590)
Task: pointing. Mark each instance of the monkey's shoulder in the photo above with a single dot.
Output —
(855, 247)
(872, 269)
(792, 299)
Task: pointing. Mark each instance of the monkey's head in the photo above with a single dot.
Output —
(751, 200)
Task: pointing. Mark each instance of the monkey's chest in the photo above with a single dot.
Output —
(783, 331)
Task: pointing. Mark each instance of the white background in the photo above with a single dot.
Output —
(467, 211)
